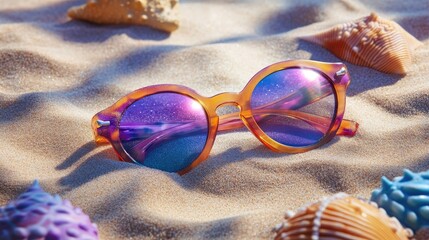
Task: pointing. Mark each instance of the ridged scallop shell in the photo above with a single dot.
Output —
(159, 14)
(37, 215)
(341, 217)
(370, 41)
(407, 199)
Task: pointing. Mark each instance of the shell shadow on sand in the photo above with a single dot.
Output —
(418, 26)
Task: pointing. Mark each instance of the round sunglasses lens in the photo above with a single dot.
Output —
(166, 131)
(294, 107)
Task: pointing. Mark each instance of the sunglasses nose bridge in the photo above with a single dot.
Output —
(225, 99)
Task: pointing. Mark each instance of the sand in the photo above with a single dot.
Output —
(55, 74)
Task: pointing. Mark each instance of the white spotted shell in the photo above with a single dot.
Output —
(341, 217)
(159, 14)
(370, 41)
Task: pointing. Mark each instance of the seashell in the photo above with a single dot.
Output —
(407, 199)
(159, 14)
(36, 214)
(370, 41)
(341, 217)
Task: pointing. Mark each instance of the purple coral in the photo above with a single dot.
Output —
(37, 215)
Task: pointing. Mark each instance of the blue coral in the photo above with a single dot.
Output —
(36, 214)
(406, 198)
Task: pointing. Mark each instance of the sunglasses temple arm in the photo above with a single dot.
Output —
(233, 121)
(348, 128)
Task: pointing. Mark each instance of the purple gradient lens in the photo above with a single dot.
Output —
(166, 131)
(286, 103)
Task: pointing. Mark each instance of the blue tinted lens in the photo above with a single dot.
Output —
(294, 107)
(166, 131)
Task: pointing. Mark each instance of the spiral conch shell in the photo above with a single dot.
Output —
(159, 14)
(370, 41)
(341, 217)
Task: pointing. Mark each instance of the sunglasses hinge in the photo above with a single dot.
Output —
(102, 123)
(340, 73)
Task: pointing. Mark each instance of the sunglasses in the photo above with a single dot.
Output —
(291, 106)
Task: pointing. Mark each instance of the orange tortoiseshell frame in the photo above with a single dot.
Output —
(105, 124)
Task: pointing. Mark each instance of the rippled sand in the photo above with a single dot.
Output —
(55, 74)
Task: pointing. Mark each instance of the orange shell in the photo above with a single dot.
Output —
(341, 217)
(160, 14)
(370, 41)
